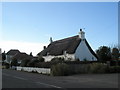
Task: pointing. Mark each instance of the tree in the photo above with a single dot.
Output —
(24, 62)
(3, 56)
(104, 53)
(32, 63)
(115, 54)
(14, 62)
(41, 59)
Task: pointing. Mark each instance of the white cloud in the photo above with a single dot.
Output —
(22, 46)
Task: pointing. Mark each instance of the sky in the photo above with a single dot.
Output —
(28, 26)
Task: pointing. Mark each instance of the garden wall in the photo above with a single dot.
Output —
(33, 69)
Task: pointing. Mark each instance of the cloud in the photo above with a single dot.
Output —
(22, 46)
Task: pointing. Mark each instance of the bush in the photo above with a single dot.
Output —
(32, 63)
(6, 65)
(14, 62)
(60, 69)
(24, 62)
(57, 60)
(114, 69)
(41, 59)
(43, 65)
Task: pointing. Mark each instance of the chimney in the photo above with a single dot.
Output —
(82, 34)
(44, 47)
(51, 40)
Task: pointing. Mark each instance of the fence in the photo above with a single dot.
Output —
(31, 69)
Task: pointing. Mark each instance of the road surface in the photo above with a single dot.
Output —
(20, 79)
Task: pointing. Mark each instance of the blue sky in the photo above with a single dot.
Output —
(36, 22)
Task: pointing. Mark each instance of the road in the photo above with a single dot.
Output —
(20, 79)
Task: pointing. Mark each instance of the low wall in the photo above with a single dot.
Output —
(32, 69)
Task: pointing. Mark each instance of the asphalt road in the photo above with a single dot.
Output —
(20, 79)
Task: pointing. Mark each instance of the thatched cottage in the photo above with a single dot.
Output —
(71, 48)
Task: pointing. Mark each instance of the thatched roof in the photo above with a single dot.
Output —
(68, 44)
(12, 52)
(22, 56)
(58, 47)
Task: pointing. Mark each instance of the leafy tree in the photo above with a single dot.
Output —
(3, 56)
(104, 53)
(6, 65)
(14, 62)
(24, 62)
(41, 59)
(32, 63)
(115, 53)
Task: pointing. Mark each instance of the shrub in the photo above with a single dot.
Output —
(43, 65)
(14, 62)
(41, 59)
(114, 69)
(6, 65)
(57, 60)
(85, 60)
(24, 62)
(60, 69)
(32, 63)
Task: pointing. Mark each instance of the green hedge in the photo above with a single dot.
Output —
(63, 69)
(60, 69)
(98, 68)
(114, 69)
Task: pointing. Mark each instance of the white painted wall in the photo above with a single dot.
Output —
(38, 70)
(70, 56)
(82, 52)
(49, 57)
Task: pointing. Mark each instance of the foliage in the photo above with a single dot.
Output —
(41, 59)
(60, 69)
(32, 63)
(115, 54)
(6, 65)
(114, 69)
(24, 62)
(104, 53)
(14, 62)
(98, 68)
(54, 61)
(57, 60)
(3, 56)
(43, 65)
(85, 60)
(77, 60)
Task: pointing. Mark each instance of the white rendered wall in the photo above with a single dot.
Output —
(49, 57)
(70, 56)
(82, 52)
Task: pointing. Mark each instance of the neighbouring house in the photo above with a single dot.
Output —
(22, 56)
(71, 48)
(10, 54)
(19, 56)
